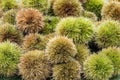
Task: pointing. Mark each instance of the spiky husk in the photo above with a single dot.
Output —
(94, 6)
(64, 8)
(38, 4)
(0, 1)
(9, 58)
(111, 10)
(34, 65)
(9, 4)
(67, 71)
(114, 0)
(98, 67)
(30, 20)
(9, 17)
(33, 41)
(60, 49)
(51, 3)
(82, 53)
(113, 53)
(108, 34)
(90, 15)
(48, 37)
(50, 24)
(9, 32)
(83, 1)
(1, 12)
(79, 29)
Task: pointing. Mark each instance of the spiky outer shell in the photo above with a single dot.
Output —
(111, 10)
(79, 29)
(9, 4)
(33, 41)
(83, 1)
(115, 0)
(60, 49)
(9, 32)
(65, 8)
(51, 3)
(90, 15)
(113, 53)
(37, 4)
(9, 58)
(29, 20)
(108, 34)
(94, 6)
(1, 12)
(0, 1)
(67, 71)
(48, 37)
(50, 24)
(9, 17)
(82, 53)
(34, 65)
(98, 67)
